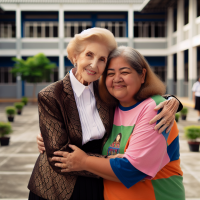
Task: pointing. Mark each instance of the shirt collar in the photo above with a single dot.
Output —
(78, 87)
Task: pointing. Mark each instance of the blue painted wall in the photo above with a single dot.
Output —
(156, 61)
(67, 62)
(6, 62)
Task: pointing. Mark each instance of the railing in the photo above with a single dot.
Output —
(174, 38)
(198, 26)
(186, 29)
(7, 30)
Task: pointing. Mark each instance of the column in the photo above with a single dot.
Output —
(61, 68)
(19, 83)
(180, 73)
(192, 50)
(180, 54)
(130, 26)
(170, 71)
(192, 69)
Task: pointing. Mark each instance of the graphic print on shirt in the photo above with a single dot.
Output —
(118, 139)
(114, 147)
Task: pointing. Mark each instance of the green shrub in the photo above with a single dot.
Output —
(177, 115)
(192, 132)
(19, 105)
(24, 100)
(10, 110)
(5, 128)
(184, 111)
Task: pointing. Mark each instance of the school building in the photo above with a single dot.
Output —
(166, 32)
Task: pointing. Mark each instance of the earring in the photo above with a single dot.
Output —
(75, 65)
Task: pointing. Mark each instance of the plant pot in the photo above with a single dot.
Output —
(176, 120)
(19, 112)
(10, 119)
(4, 141)
(183, 117)
(193, 146)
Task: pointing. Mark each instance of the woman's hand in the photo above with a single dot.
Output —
(70, 161)
(40, 143)
(116, 156)
(167, 115)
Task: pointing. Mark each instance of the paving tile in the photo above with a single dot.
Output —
(14, 186)
(19, 164)
(30, 147)
(192, 186)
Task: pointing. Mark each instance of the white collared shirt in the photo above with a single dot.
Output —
(196, 89)
(91, 124)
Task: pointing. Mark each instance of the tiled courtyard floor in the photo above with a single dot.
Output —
(17, 159)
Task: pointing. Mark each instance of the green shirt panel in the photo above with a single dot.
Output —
(116, 130)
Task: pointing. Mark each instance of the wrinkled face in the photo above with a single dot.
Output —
(123, 82)
(92, 62)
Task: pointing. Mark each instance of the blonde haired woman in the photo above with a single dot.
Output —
(71, 112)
(149, 164)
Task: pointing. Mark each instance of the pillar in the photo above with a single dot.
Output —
(61, 68)
(192, 67)
(170, 71)
(180, 54)
(130, 26)
(18, 48)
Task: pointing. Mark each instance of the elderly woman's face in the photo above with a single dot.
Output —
(92, 62)
(123, 82)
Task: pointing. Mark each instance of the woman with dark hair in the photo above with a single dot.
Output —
(148, 166)
(196, 96)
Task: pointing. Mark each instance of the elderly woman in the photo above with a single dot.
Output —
(149, 167)
(71, 112)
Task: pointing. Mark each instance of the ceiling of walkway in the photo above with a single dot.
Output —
(158, 6)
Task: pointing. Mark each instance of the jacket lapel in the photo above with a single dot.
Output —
(72, 112)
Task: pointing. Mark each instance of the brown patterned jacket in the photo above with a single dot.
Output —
(60, 125)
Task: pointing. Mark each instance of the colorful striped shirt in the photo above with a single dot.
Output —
(150, 168)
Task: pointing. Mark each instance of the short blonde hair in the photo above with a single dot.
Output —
(77, 44)
(151, 86)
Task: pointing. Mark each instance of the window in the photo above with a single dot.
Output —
(149, 29)
(186, 12)
(7, 30)
(6, 76)
(161, 72)
(186, 72)
(198, 8)
(72, 28)
(175, 20)
(41, 29)
(117, 28)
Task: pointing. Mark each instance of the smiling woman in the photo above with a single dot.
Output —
(148, 162)
(72, 112)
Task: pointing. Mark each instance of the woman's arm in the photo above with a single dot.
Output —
(145, 155)
(79, 161)
(167, 114)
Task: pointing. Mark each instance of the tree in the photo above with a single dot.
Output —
(34, 69)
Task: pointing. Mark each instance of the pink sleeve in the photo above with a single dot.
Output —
(147, 150)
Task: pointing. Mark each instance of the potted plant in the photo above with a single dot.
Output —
(177, 115)
(24, 100)
(192, 133)
(184, 112)
(10, 111)
(19, 106)
(5, 129)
